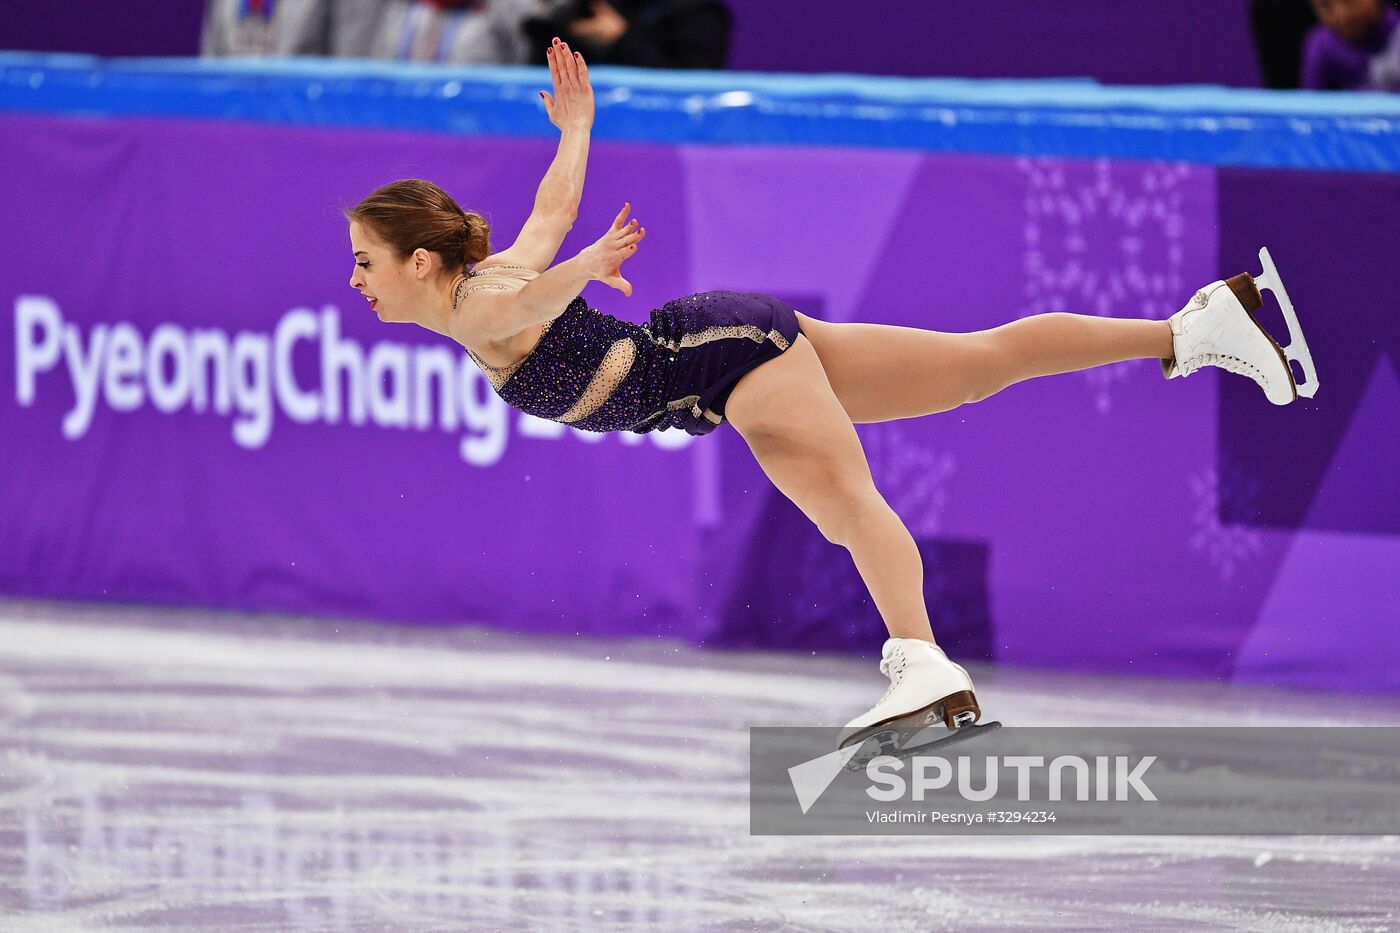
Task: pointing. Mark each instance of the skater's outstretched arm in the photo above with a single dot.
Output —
(499, 315)
(570, 108)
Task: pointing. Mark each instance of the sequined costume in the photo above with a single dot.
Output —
(595, 372)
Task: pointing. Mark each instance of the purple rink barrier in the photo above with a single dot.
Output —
(200, 410)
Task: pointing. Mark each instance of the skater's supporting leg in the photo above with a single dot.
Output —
(786, 412)
(888, 561)
(882, 372)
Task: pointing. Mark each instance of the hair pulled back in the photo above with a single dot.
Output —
(413, 213)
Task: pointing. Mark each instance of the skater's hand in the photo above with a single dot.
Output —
(603, 260)
(571, 106)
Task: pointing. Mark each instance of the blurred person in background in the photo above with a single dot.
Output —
(1385, 67)
(339, 28)
(459, 32)
(1279, 28)
(1351, 48)
(643, 33)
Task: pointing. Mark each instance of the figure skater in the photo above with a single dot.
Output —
(793, 386)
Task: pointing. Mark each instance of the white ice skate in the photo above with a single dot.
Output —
(1217, 328)
(925, 687)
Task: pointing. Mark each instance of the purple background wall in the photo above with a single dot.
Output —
(1183, 42)
(155, 27)
(1104, 520)
(1188, 42)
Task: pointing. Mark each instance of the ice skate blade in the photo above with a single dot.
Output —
(1297, 348)
(959, 735)
(883, 744)
(955, 710)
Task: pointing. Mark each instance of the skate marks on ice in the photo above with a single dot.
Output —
(162, 769)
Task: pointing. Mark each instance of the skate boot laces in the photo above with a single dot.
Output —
(893, 667)
(1232, 363)
(1222, 360)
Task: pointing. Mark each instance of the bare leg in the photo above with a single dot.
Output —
(882, 372)
(1061, 342)
(794, 424)
(905, 369)
(797, 431)
(889, 563)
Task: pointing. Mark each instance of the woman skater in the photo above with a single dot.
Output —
(794, 387)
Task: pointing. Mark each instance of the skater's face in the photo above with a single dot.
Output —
(379, 274)
(1350, 19)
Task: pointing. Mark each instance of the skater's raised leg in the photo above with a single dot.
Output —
(882, 372)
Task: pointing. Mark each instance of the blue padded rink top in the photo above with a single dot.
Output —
(1207, 124)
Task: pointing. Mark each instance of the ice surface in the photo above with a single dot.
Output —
(180, 769)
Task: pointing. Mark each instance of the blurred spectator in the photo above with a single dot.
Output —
(342, 28)
(461, 32)
(1385, 67)
(1279, 28)
(645, 33)
(1350, 49)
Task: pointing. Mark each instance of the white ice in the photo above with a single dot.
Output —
(183, 769)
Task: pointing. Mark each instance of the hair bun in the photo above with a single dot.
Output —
(476, 238)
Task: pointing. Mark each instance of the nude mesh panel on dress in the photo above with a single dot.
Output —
(499, 374)
(617, 362)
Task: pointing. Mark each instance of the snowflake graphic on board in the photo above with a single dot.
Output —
(1104, 238)
(1230, 489)
(911, 475)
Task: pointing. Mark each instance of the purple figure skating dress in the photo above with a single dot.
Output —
(595, 372)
